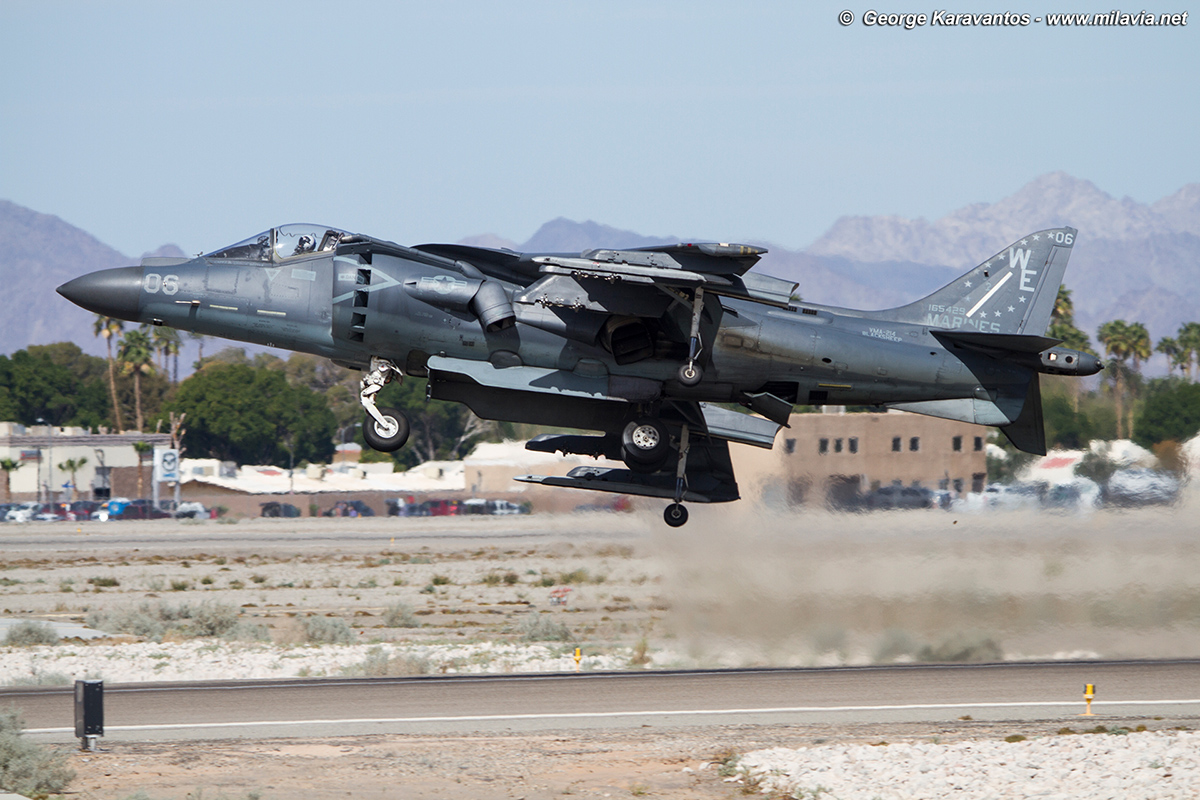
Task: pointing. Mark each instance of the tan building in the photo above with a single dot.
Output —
(110, 464)
(835, 457)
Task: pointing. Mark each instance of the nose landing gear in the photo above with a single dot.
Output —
(384, 429)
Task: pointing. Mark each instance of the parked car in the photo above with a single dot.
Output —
(191, 510)
(23, 512)
(111, 508)
(82, 509)
(274, 508)
(1141, 487)
(1008, 497)
(350, 508)
(1080, 494)
(141, 511)
(892, 497)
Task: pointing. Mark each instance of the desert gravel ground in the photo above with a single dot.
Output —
(731, 589)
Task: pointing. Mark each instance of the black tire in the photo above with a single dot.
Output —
(383, 439)
(675, 515)
(690, 374)
(646, 441)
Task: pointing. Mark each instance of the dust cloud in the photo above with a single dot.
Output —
(817, 588)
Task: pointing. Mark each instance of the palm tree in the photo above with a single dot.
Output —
(136, 354)
(1062, 326)
(9, 466)
(108, 327)
(167, 342)
(1124, 341)
(1176, 355)
(72, 465)
(1189, 343)
(199, 339)
(141, 448)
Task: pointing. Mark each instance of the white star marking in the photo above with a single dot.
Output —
(995, 313)
(968, 284)
(1037, 236)
(1023, 241)
(1011, 309)
(1022, 298)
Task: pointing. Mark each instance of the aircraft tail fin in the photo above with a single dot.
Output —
(1013, 292)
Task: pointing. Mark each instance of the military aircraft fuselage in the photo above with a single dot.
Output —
(640, 341)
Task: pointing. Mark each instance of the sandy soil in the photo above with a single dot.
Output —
(730, 589)
(674, 764)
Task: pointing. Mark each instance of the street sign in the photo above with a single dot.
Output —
(166, 465)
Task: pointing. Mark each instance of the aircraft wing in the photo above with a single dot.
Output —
(574, 277)
(624, 281)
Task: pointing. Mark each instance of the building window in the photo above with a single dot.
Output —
(789, 446)
(944, 484)
(958, 485)
(914, 444)
(823, 446)
(957, 443)
(978, 443)
(895, 444)
(853, 443)
(977, 480)
(837, 445)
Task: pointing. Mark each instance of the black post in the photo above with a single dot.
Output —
(89, 712)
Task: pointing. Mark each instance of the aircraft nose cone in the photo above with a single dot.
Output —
(1089, 364)
(108, 292)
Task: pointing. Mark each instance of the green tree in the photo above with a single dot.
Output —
(136, 354)
(72, 465)
(237, 412)
(1124, 341)
(440, 430)
(1062, 326)
(35, 388)
(108, 327)
(166, 343)
(1189, 342)
(1176, 355)
(142, 449)
(9, 466)
(1171, 411)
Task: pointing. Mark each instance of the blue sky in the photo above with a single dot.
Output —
(202, 123)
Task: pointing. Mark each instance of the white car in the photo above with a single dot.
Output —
(23, 512)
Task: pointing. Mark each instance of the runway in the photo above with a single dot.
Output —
(482, 703)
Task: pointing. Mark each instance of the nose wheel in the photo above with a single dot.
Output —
(385, 429)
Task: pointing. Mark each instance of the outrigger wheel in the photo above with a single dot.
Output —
(675, 515)
(690, 374)
(387, 434)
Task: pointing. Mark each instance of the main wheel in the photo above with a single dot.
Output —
(675, 515)
(646, 441)
(388, 436)
(690, 374)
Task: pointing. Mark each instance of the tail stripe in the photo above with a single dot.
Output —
(988, 296)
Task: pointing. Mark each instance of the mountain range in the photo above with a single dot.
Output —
(1133, 261)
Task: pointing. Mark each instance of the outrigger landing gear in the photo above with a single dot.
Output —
(384, 429)
(690, 374)
(675, 514)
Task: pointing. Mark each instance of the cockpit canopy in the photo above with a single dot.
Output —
(283, 243)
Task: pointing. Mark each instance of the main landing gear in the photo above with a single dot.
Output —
(384, 429)
(646, 445)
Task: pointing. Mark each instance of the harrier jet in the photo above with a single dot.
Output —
(653, 349)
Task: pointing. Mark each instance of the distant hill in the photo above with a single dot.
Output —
(1133, 261)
